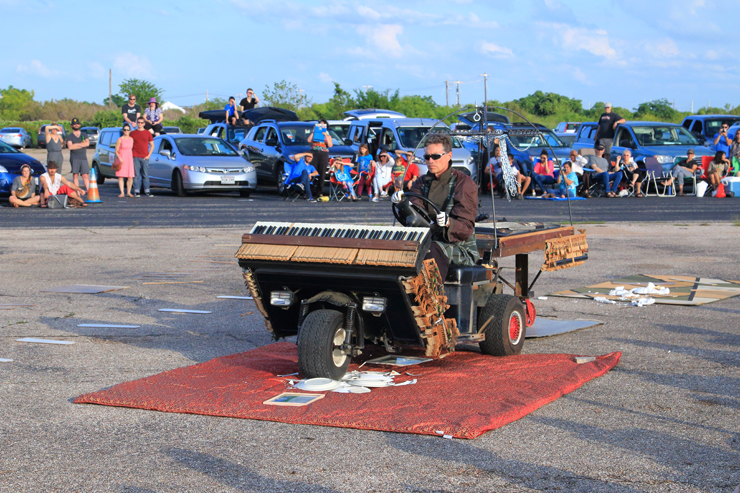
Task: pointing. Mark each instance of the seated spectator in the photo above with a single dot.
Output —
(248, 102)
(717, 169)
(232, 113)
(53, 183)
(734, 155)
(601, 168)
(154, 118)
(494, 164)
(522, 182)
(301, 173)
(631, 171)
(578, 163)
(567, 181)
(343, 175)
(683, 170)
(383, 174)
(544, 172)
(23, 189)
(365, 167)
(410, 169)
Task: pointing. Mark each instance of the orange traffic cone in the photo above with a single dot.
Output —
(93, 196)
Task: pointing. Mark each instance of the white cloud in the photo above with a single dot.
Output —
(495, 50)
(595, 41)
(367, 12)
(37, 68)
(323, 77)
(292, 24)
(130, 65)
(578, 75)
(665, 47)
(384, 37)
(712, 55)
(97, 71)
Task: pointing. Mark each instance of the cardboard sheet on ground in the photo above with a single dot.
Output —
(84, 289)
(544, 327)
(462, 395)
(683, 290)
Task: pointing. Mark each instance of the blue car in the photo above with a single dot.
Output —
(11, 161)
(706, 127)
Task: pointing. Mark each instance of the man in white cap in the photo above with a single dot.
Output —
(608, 122)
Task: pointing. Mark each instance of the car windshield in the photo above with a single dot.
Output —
(713, 126)
(172, 130)
(236, 134)
(527, 141)
(411, 137)
(5, 148)
(455, 142)
(10, 130)
(297, 135)
(204, 147)
(663, 135)
(340, 130)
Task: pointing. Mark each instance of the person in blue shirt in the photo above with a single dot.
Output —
(343, 174)
(302, 172)
(365, 166)
(568, 181)
(722, 141)
(232, 114)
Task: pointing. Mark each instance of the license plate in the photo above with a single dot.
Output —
(228, 180)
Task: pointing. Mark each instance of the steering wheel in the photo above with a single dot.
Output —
(411, 215)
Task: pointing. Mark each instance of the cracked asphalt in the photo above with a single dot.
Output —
(667, 418)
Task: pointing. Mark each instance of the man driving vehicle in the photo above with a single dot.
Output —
(456, 195)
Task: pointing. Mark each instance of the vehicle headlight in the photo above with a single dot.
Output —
(374, 305)
(471, 160)
(248, 169)
(664, 159)
(3, 169)
(281, 298)
(195, 168)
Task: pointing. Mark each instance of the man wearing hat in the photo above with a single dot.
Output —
(153, 117)
(608, 122)
(53, 183)
(77, 145)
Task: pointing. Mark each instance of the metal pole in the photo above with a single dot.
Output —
(206, 95)
(458, 93)
(110, 85)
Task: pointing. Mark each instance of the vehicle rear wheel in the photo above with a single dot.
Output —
(245, 193)
(319, 346)
(506, 331)
(280, 179)
(177, 185)
(99, 176)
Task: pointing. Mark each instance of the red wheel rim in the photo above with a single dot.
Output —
(515, 328)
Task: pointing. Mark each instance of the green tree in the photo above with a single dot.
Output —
(286, 95)
(376, 99)
(117, 100)
(14, 102)
(144, 91)
(548, 103)
(661, 109)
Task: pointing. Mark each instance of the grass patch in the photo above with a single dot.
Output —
(679, 224)
(705, 224)
(736, 223)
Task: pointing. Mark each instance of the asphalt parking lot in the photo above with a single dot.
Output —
(665, 419)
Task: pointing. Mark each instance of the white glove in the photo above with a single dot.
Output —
(397, 197)
(443, 220)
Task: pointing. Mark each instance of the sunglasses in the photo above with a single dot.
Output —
(126, 129)
(433, 157)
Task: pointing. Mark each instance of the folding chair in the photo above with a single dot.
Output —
(291, 191)
(692, 180)
(336, 188)
(658, 178)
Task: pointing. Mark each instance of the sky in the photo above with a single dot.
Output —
(622, 51)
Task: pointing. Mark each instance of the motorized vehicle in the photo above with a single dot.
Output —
(475, 118)
(521, 137)
(339, 127)
(706, 127)
(233, 134)
(566, 128)
(255, 115)
(338, 287)
(92, 134)
(201, 130)
(405, 134)
(11, 160)
(41, 137)
(16, 136)
(371, 113)
(270, 144)
(172, 130)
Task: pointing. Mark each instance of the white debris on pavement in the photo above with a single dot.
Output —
(601, 299)
(643, 302)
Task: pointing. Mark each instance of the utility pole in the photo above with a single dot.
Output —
(485, 91)
(447, 93)
(110, 92)
(692, 106)
(367, 88)
(458, 93)
(206, 95)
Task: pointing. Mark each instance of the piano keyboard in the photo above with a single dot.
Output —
(393, 233)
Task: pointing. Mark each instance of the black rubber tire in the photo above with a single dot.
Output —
(99, 176)
(177, 185)
(279, 180)
(245, 193)
(316, 345)
(498, 336)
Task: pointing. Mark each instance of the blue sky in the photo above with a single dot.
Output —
(625, 51)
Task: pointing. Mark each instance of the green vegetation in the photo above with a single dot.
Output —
(18, 107)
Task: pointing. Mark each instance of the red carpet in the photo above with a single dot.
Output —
(463, 395)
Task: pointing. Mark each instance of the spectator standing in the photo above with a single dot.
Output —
(544, 172)
(141, 152)
(232, 113)
(131, 111)
(608, 122)
(54, 143)
(365, 166)
(722, 141)
(125, 158)
(153, 117)
(682, 171)
(52, 183)
(321, 142)
(77, 145)
(383, 175)
(632, 172)
(23, 189)
(717, 169)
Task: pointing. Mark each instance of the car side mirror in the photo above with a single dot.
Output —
(348, 142)
(166, 153)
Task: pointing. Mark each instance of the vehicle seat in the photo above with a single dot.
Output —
(467, 274)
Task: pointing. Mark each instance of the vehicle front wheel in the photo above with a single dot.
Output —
(98, 175)
(507, 327)
(280, 180)
(245, 193)
(319, 346)
(177, 185)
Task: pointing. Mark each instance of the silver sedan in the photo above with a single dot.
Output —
(199, 163)
(16, 137)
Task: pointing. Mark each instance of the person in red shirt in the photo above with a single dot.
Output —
(412, 170)
(143, 148)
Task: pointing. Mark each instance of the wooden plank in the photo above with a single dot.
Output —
(536, 236)
(509, 251)
(318, 241)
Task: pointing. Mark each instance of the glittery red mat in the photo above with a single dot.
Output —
(463, 395)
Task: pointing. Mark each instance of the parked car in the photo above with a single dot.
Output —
(92, 134)
(199, 163)
(172, 130)
(405, 134)
(16, 136)
(339, 127)
(530, 144)
(201, 130)
(11, 161)
(460, 127)
(233, 134)
(475, 119)
(269, 145)
(41, 137)
(705, 127)
(370, 113)
(567, 128)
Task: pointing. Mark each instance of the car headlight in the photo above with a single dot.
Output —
(248, 169)
(664, 159)
(471, 160)
(3, 169)
(195, 168)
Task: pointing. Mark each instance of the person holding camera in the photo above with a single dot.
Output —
(722, 141)
(321, 142)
